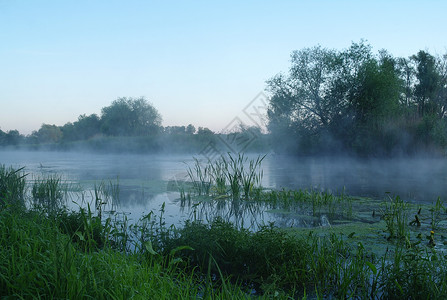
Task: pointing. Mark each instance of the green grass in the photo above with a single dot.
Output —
(372, 250)
(12, 186)
(41, 257)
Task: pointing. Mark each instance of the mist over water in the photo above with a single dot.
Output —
(414, 179)
(144, 179)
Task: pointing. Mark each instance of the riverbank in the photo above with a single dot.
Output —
(360, 248)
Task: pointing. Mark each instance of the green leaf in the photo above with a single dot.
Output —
(80, 235)
(372, 267)
(175, 261)
(148, 246)
(180, 248)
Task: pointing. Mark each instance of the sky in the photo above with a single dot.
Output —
(198, 62)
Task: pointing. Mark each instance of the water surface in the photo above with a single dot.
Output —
(145, 180)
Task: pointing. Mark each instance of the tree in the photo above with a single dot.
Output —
(48, 134)
(375, 102)
(190, 129)
(175, 129)
(333, 99)
(13, 138)
(428, 83)
(87, 126)
(407, 73)
(300, 106)
(306, 106)
(130, 117)
(2, 138)
(204, 131)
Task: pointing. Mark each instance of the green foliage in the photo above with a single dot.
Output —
(130, 117)
(48, 134)
(84, 128)
(267, 259)
(47, 194)
(78, 255)
(75, 255)
(38, 261)
(414, 274)
(228, 174)
(354, 100)
(396, 217)
(428, 83)
(11, 138)
(12, 186)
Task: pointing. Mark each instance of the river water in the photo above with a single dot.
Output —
(144, 179)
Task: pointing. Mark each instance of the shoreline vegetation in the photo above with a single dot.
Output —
(354, 247)
(169, 143)
(350, 102)
(330, 102)
(132, 125)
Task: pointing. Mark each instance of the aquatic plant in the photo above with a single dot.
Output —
(106, 195)
(435, 213)
(395, 216)
(78, 254)
(218, 170)
(235, 175)
(200, 178)
(47, 193)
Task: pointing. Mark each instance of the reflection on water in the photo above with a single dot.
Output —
(415, 179)
(144, 182)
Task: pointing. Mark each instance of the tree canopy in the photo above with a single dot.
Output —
(129, 116)
(357, 101)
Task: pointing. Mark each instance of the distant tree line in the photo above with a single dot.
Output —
(355, 101)
(128, 124)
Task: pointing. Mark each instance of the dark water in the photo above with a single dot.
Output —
(413, 179)
(144, 179)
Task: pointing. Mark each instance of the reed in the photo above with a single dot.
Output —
(395, 215)
(200, 178)
(233, 175)
(79, 255)
(106, 195)
(12, 186)
(48, 193)
(435, 213)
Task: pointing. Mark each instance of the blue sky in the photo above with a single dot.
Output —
(198, 62)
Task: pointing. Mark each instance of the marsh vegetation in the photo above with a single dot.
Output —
(329, 245)
(335, 219)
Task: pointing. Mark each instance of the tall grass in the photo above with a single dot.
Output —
(75, 255)
(37, 261)
(395, 215)
(80, 254)
(106, 195)
(233, 175)
(12, 186)
(200, 178)
(47, 193)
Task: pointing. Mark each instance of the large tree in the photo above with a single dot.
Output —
(333, 99)
(302, 104)
(48, 134)
(130, 117)
(428, 83)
